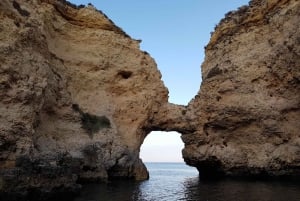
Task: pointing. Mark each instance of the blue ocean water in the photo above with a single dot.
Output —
(176, 181)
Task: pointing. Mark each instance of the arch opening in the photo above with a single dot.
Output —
(162, 147)
(161, 153)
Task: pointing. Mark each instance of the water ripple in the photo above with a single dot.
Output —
(176, 181)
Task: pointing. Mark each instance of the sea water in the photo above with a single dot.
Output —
(177, 181)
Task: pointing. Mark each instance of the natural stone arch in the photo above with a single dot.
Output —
(78, 96)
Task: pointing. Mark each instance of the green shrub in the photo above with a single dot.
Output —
(92, 123)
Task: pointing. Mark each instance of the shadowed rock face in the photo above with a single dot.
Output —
(78, 97)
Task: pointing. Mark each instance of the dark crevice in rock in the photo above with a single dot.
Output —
(214, 71)
(22, 12)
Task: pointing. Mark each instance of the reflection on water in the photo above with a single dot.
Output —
(112, 191)
(239, 190)
(175, 181)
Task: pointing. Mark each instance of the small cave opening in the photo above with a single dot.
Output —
(124, 74)
(161, 152)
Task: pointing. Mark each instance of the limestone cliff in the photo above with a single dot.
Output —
(78, 97)
(247, 111)
(77, 94)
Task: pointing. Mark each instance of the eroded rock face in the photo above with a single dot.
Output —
(248, 109)
(77, 95)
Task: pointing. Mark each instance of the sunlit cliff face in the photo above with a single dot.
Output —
(248, 104)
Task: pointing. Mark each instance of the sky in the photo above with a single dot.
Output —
(174, 33)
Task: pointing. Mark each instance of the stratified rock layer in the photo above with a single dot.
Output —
(248, 109)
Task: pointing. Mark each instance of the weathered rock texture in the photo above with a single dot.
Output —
(248, 108)
(78, 97)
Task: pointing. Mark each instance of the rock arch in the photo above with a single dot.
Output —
(78, 96)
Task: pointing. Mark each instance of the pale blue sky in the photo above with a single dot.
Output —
(174, 32)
